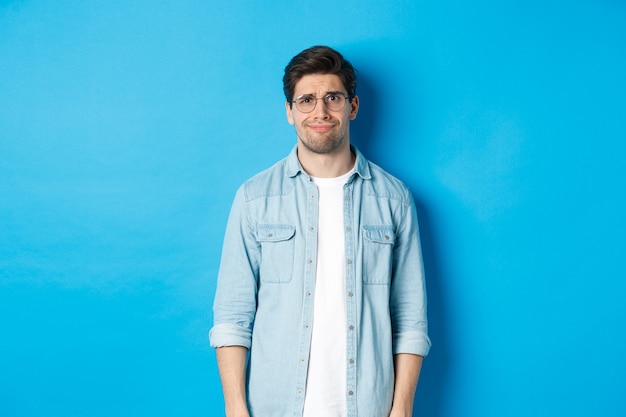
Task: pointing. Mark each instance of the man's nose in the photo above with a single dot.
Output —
(321, 110)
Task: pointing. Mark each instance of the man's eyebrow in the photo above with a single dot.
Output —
(326, 94)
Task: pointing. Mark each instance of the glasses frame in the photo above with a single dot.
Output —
(325, 98)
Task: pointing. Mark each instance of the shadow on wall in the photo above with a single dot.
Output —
(430, 393)
(363, 127)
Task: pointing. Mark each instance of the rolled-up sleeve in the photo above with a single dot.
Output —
(225, 334)
(234, 307)
(408, 290)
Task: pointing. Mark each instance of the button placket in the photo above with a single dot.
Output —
(310, 254)
(350, 256)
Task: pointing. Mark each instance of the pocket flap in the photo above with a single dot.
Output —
(380, 234)
(274, 232)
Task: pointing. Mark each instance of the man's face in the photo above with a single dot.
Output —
(322, 131)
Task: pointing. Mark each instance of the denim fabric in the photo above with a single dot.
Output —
(266, 283)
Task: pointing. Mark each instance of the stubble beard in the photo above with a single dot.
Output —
(323, 144)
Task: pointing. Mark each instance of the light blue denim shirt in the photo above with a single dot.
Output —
(266, 285)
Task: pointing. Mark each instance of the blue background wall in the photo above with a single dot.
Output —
(126, 127)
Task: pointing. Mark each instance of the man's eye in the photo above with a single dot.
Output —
(304, 100)
(332, 97)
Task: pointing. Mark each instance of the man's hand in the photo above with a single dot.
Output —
(396, 412)
(237, 413)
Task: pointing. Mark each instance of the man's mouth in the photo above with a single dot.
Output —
(321, 127)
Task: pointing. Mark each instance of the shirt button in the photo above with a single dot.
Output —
(311, 228)
(306, 326)
(386, 237)
(350, 392)
(351, 327)
(350, 294)
(347, 197)
(299, 392)
(309, 261)
(351, 361)
(349, 261)
(308, 293)
(348, 229)
(270, 235)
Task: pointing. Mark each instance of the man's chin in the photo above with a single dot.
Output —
(324, 148)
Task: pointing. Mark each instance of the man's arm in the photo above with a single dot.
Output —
(231, 362)
(407, 369)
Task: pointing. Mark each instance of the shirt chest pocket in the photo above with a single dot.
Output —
(378, 242)
(277, 252)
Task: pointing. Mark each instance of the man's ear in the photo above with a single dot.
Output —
(289, 112)
(354, 107)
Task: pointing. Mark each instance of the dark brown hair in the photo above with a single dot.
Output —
(318, 60)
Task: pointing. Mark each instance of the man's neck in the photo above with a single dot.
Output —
(327, 165)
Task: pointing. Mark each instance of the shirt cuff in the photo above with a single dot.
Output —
(414, 342)
(226, 334)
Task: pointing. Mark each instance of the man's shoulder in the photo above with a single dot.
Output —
(270, 181)
(385, 185)
(278, 168)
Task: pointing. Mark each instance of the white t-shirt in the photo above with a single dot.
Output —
(326, 380)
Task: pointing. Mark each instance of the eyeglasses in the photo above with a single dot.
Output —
(333, 101)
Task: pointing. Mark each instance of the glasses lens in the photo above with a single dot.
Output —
(335, 102)
(305, 104)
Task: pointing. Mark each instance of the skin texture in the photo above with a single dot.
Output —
(407, 369)
(231, 362)
(323, 135)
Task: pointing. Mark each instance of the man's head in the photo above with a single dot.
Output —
(320, 87)
(318, 60)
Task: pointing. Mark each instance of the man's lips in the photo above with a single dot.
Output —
(320, 127)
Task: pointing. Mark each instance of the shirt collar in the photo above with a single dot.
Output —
(361, 166)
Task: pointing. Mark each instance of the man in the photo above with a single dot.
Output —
(320, 309)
